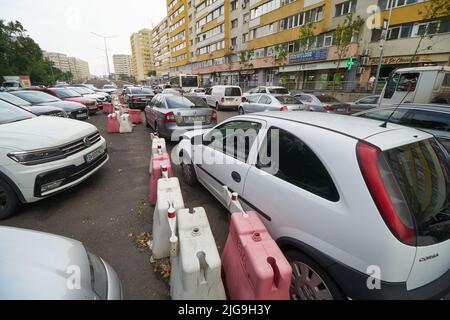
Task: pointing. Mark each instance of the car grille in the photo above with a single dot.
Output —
(56, 114)
(80, 145)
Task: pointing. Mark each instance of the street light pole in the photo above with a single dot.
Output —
(106, 49)
(382, 42)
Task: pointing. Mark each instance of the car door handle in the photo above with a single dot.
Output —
(236, 177)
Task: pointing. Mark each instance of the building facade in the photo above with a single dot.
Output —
(142, 59)
(78, 68)
(59, 60)
(161, 49)
(255, 42)
(122, 65)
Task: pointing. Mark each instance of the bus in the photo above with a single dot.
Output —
(185, 82)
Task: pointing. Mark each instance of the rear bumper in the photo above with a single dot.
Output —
(168, 131)
(138, 105)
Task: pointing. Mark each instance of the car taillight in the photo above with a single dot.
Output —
(284, 108)
(214, 116)
(222, 99)
(134, 98)
(169, 117)
(328, 108)
(385, 193)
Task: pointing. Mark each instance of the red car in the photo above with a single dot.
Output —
(71, 95)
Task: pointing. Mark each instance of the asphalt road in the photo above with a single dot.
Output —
(104, 210)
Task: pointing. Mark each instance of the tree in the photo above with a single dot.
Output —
(245, 59)
(344, 36)
(306, 36)
(151, 73)
(434, 9)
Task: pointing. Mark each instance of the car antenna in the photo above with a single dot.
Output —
(385, 123)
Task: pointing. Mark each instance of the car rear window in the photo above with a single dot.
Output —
(141, 91)
(421, 171)
(233, 92)
(288, 100)
(197, 101)
(180, 102)
(328, 99)
(279, 91)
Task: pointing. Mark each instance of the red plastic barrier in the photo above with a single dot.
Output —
(108, 108)
(121, 99)
(113, 125)
(135, 116)
(254, 266)
(160, 166)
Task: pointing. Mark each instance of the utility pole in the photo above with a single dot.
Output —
(382, 42)
(106, 49)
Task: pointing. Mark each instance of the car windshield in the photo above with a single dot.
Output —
(14, 100)
(180, 102)
(36, 97)
(421, 171)
(288, 100)
(233, 92)
(198, 102)
(108, 87)
(199, 90)
(327, 99)
(10, 113)
(82, 91)
(67, 93)
(278, 90)
(189, 81)
(141, 91)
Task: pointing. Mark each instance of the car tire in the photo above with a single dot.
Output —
(9, 203)
(303, 270)
(189, 175)
(241, 111)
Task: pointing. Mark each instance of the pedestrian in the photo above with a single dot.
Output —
(371, 83)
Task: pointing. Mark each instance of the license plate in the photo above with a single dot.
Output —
(94, 155)
(81, 116)
(195, 119)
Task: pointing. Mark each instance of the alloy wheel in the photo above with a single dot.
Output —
(307, 284)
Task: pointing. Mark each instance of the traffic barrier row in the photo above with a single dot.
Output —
(135, 116)
(161, 168)
(158, 147)
(254, 268)
(108, 108)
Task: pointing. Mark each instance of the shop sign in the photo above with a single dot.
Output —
(402, 60)
(315, 55)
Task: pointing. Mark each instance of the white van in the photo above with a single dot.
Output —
(224, 97)
(418, 85)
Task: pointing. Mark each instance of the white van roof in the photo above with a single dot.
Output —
(430, 68)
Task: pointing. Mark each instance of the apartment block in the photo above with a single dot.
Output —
(59, 60)
(143, 60)
(77, 67)
(123, 65)
(161, 48)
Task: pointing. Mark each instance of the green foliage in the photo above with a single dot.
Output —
(281, 54)
(245, 58)
(344, 33)
(151, 73)
(306, 36)
(20, 55)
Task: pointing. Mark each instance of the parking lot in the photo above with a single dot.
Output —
(110, 209)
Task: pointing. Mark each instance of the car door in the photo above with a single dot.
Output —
(261, 104)
(251, 102)
(222, 158)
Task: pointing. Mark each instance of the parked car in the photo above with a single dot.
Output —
(365, 103)
(269, 102)
(169, 113)
(109, 88)
(41, 156)
(67, 94)
(74, 110)
(353, 199)
(268, 90)
(137, 97)
(225, 97)
(37, 266)
(323, 103)
(162, 87)
(37, 110)
(95, 90)
(199, 92)
(434, 119)
(90, 94)
(173, 91)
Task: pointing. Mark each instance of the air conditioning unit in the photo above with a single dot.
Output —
(360, 70)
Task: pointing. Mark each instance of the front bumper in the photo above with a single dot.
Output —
(114, 285)
(81, 114)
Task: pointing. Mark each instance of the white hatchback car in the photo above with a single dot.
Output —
(40, 156)
(360, 210)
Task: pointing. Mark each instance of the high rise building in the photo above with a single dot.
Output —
(178, 20)
(123, 65)
(161, 48)
(142, 54)
(77, 67)
(59, 60)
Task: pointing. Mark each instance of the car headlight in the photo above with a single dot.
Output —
(29, 158)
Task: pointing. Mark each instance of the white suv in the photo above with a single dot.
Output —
(360, 208)
(40, 156)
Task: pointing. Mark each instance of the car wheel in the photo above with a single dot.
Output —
(9, 203)
(309, 280)
(189, 175)
(241, 111)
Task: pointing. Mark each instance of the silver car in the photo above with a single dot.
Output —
(268, 90)
(168, 113)
(323, 103)
(269, 102)
(363, 104)
(41, 266)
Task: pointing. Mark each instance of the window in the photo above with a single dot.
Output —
(234, 42)
(235, 138)
(305, 98)
(297, 164)
(253, 98)
(385, 113)
(234, 5)
(369, 100)
(430, 120)
(345, 8)
(302, 18)
(265, 100)
(234, 24)
(408, 82)
(233, 92)
(244, 37)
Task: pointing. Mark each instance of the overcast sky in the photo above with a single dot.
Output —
(65, 25)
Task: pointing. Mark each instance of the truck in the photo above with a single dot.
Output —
(16, 82)
(417, 85)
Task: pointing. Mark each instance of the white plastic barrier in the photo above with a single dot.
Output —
(158, 147)
(196, 269)
(169, 198)
(125, 124)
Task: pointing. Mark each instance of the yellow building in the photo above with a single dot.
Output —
(161, 48)
(143, 60)
(178, 24)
